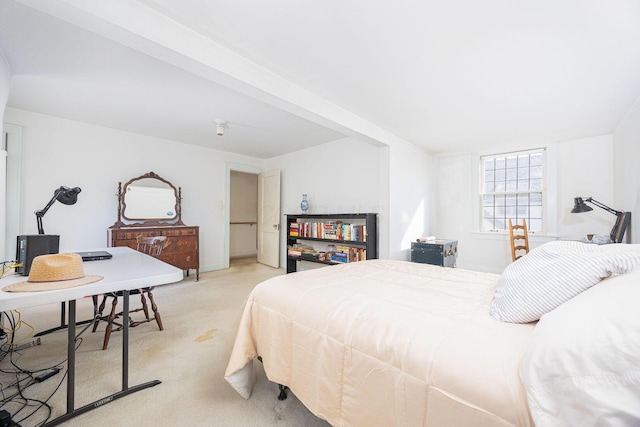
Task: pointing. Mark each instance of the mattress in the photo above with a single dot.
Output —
(385, 343)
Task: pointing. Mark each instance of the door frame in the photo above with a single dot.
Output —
(13, 186)
(238, 167)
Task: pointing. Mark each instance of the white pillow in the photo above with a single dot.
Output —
(580, 366)
(553, 274)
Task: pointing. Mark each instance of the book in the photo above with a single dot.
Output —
(354, 255)
(294, 229)
(294, 252)
(343, 249)
(340, 257)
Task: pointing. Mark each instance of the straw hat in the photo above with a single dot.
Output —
(56, 271)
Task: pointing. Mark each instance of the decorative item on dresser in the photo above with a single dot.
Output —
(155, 204)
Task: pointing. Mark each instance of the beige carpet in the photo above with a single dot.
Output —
(189, 357)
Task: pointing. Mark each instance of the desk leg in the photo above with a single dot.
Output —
(71, 356)
(125, 340)
(62, 310)
(71, 367)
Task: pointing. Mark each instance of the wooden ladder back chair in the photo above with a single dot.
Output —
(151, 246)
(519, 238)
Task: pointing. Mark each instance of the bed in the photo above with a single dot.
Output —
(394, 343)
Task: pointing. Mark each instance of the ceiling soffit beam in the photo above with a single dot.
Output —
(146, 30)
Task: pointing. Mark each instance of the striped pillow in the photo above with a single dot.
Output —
(554, 273)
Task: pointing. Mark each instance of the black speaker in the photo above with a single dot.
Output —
(30, 246)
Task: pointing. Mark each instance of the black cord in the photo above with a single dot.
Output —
(25, 378)
(45, 403)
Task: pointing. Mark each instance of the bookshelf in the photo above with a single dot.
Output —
(309, 236)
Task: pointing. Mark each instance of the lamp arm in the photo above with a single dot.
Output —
(601, 206)
(40, 213)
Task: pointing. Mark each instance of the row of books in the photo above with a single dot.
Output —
(349, 254)
(342, 254)
(332, 230)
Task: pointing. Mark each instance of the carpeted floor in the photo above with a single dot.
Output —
(189, 357)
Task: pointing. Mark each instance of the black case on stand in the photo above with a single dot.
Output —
(30, 246)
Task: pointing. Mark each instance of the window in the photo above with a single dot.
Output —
(512, 187)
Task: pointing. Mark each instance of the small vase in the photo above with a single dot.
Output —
(304, 204)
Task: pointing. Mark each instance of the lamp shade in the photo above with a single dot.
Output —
(65, 195)
(68, 196)
(580, 206)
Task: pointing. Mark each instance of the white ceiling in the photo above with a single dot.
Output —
(287, 75)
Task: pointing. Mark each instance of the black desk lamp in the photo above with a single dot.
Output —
(622, 218)
(64, 195)
(41, 244)
(30, 246)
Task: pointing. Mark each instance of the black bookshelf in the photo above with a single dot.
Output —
(370, 244)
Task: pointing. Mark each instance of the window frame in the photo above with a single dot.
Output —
(547, 221)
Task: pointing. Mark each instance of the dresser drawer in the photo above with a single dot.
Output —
(191, 231)
(180, 250)
(129, 235)
(181, 244)
(183, 260)
(132, 235)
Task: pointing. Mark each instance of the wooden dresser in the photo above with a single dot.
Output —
(181, 249)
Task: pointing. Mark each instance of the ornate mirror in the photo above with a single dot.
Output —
(149, 199)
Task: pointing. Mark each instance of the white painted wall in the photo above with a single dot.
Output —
(626, 174)
(338, 177)
(352, 176)
(342, 176)
(398, 182)
(585, 168)
(5, 87)
(5, 82)
(575, 168)
(411, 198)
(62, 152)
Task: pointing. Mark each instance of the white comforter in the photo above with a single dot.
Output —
(386, 343)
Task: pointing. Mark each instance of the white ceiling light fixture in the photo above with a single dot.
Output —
(221, 126)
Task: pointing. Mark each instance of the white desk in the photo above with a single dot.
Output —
(127, 270)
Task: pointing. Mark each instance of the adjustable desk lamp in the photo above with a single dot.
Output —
(30, 246)
(622, 218)
(64, 195)
(46, 244)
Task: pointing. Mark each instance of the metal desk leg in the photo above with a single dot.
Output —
(71, 357)
(125, 340)
(71, 367)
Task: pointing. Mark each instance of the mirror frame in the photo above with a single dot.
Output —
(144, 222)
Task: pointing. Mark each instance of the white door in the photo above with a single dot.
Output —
(269, 218)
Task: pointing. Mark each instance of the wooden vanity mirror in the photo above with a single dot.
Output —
(154, 204)
(149, 199)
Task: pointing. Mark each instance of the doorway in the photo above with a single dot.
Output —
(254, 216)
(243, 216)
